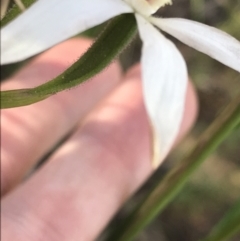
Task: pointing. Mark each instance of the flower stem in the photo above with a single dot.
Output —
(157, 199)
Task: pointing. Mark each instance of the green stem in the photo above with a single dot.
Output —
(170, 186)
(227, 227)
(109, 44)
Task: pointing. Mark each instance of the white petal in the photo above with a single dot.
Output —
(164, 85)
(49, 22)
(211, 41)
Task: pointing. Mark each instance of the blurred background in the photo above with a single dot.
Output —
(215, 187)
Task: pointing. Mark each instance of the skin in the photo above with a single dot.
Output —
(103, 161)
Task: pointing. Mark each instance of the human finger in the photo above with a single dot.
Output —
(28, 133)
(90, 176)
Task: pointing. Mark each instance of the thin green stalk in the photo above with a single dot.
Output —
(170, 186)
(228, 227)
(109, 44)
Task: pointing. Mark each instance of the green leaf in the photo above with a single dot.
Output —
(109, 44)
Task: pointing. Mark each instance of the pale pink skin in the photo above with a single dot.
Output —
(74, 195)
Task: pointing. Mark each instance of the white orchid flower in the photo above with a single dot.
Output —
(49, 22)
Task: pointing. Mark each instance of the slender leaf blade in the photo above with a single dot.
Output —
(109, 44)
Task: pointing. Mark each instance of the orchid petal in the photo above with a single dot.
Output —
(211, 41)
(48, 22)
(164, 86)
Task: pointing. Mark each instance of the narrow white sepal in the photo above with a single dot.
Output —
(211, 41)
(164, 85)
(49, 22)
